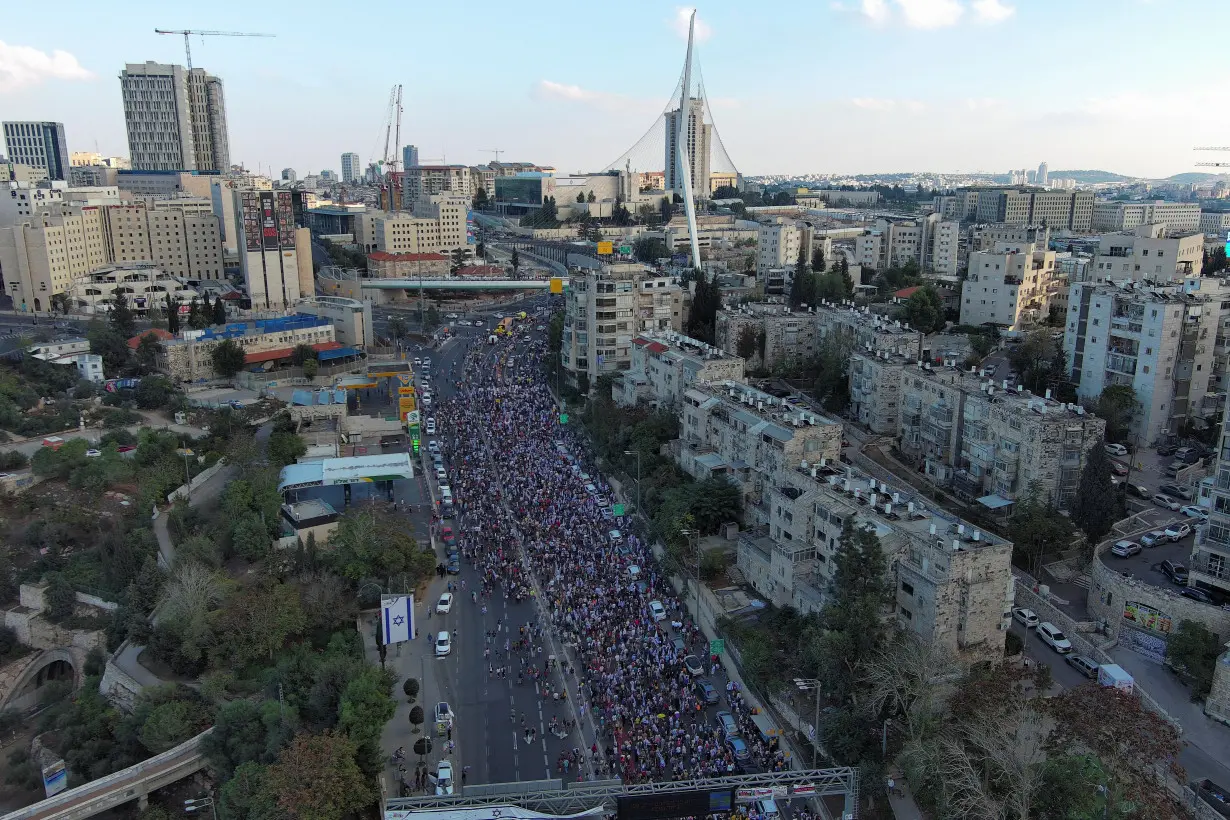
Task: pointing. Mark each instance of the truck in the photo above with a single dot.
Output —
(1115, 676)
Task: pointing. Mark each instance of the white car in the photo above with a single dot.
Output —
(441, 475)
(431, 426)
(444, 778)
(1116, 449)
(445, 604)
(1178, 531)
(1167, 502)
(93, 453)
(1054, 637)
(444, 644)
(658, 611)
(1125, 549)
(1026, 617)
(1192, 511)
(417, 360)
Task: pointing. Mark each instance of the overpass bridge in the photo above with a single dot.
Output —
(133, 783)
(460, 284)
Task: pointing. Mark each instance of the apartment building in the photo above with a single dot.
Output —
(665, 364)
(176, 118)
(953, 583)
(188, 358)
(1009, 286)
(424, 180)
(987, 237)
(932, 243)
(184, 244)
(777, 245)
(988, 443)
(145, 286)
(1058, 210)
(41, 255)
(606, 309)
(1161, 341)
(750, 437)
(1209, 564)
(1215, 224)
(38, 145)
(438, 225)
(875, 389)
(1148, 253)
(1178, 217)
(351, 170)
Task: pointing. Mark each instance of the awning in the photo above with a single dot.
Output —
(267, 355)
(336, 353)
(994, 502)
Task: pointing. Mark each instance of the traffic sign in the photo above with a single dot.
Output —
(606, 248)
(717, 646)
(617, 509)
(626, 250)
(563, 418)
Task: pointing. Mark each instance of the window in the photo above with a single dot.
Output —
(907, 588)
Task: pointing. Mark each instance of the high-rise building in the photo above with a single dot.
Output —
(699, 137)
(176, 118)
(271, 250)
(351, 171)
(1043, 176)
(409, 156)
(289, 175)
(40, 145)
(425, 180)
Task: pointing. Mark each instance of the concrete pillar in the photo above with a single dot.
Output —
(142, 802)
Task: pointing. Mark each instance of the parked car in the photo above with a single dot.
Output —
(1166, 449)
(1191, 511)
(706, 690)
(738, 748)
(1173, 469)
(445, 604)
(727, 723)
(694, 666)
(1139, 490)
(1053, 637)
(1125, 549)
(1196, 595)
(1176, 572)
(444, 644)
(1026, 617)
(1167, 502)
(1085, 665)
(1116, 449)
(1118, 468)
(1178, 531)
(444, 778)
(1175, 490)
(1188, 455)
(1152, 539)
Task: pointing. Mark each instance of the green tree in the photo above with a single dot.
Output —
(555, 332)
(1098, 504)
(301, 353)
(398, 329)
(257, 621)
(219, 316)
(706, 300)
(369, 543)
(60, 303)
(147, 352)
(1035, 528)
(107, 342)
(649, 249)
(172, 310)
(170, 724)
(416, 717)
(247, 796)
(285, 447)
(803, 286)
(1194, 649)
(433, 317)
(580, 197)
(227, 358)
(480, 199)
(250, 537)
(121, 318)
(1119, 407)
(367, 705)
(924, 310)
(666, 210)
(817, 259)
(515, 261)
(316, 778)
(745, 345)
(310, 368)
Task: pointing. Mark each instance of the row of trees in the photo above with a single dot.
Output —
(812, 282)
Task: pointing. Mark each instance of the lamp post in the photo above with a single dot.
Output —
(200, 803)
(636, 453)
(809, 685)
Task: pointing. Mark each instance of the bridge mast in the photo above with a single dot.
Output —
(685, 108)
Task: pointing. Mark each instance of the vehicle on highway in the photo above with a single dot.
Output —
(1053, 637)
(1197, 595)
(591, 489)
(1116, 449)
(1025, 617)
(727, 723)
(453, 567)
(1178, 531)
(441, 475)
(1125, 549)
(694, 666)
(1152, 539)
(1085, 665)
(738, 749)
(1176, 572)
(444, 777)
(658, 611)
(444, 644)
(1195, 512)
(445, 604)
(1167, 502)
(706, 690)
(1176, 491)
(418, 360)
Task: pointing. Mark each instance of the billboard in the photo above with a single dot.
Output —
(471, 233)
(251, 220)
(677, 804)
(55, 778)
(268, 220)
(286, 220)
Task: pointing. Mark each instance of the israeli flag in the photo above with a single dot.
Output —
(397, 613)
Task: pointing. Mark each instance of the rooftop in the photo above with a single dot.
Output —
(755, 407)
(676, 346)
(382, 256)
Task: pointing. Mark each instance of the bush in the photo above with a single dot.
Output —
(411, 688)
(13, 460)
(1013, 645)
(61, 597)
(8, 641)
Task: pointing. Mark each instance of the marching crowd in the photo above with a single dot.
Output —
(532, 530)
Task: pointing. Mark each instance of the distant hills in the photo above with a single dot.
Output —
(1194, 177)
(1090, 177)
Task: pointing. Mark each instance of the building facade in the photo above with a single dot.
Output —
(664, 365)
(1009, 286)
(1059, 210)
(275, 257)
(424, 180)
(1209, 565)
(438, 225)
(351, 170)
(1178, 217)
(188, 357)
(409, 156)
(176, 118)
(39, 145)
(1147, 252)
(698, 137)
(606, 309)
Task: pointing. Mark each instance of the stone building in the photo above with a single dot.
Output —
(953, 583)
(188, 357)
(666, 364)
(875, 389)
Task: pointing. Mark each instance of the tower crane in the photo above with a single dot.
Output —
(496, 151)
(1212, 164)
(188, 46)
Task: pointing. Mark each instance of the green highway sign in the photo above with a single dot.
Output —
(717, 646)
(563, 418)
(617, 509)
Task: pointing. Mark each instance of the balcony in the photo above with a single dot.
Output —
(1211, 567)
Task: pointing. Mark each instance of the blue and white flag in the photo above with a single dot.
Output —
(397, 613)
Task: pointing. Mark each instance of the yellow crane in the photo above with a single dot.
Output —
(188, 46)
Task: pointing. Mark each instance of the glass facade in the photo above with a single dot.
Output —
(519, 190)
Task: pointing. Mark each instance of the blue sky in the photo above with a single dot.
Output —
(849, 86)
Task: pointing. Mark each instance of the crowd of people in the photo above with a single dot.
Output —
(532, 530)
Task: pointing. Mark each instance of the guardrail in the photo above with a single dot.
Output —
(118, 787)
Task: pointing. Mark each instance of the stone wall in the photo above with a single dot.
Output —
(1120, 601)
(118, 686)
(1217, 704)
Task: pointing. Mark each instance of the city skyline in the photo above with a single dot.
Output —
(847, 87)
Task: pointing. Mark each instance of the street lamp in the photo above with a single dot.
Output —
(809, 685)
(200, 803)
(636, 453)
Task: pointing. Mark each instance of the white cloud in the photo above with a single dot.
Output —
(680, 22)
(884, 104)
(875, 10)
(931, 14)
(550, 88)
(993, 11)
(22, 66)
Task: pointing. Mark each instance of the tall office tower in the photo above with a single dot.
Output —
(268, 249)
(409, 156)
(176, 118)
(289, 175)
(1043, 174)
(38, 144)
(350, 168)
(698, 137)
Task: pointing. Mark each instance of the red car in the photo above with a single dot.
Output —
(126, 448)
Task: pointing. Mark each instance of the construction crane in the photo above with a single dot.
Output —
(1212, 164)
(392, 129)
(496, 151)
(188, 45)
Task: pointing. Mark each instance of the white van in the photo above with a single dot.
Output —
(1054, 637)
(444, 644)
(767, 809)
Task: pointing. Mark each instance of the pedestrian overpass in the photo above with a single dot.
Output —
(554, 285)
